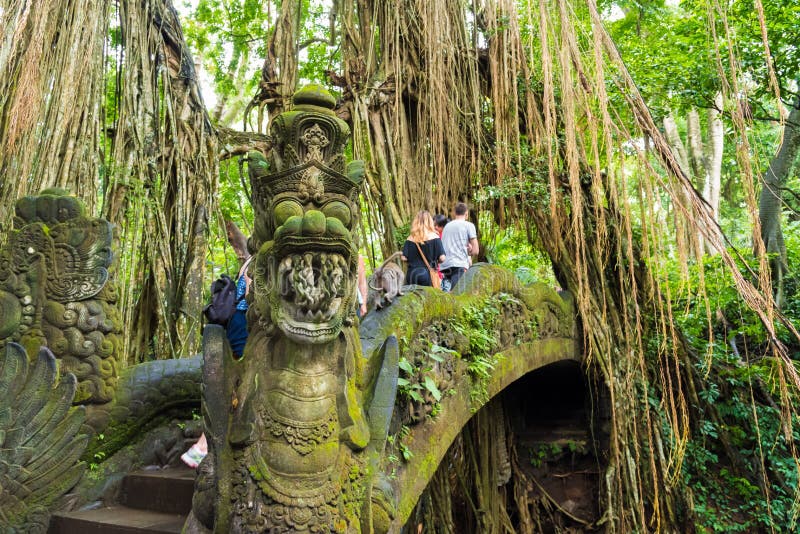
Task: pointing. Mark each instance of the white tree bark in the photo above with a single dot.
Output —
(703, 161)
(674, 139)
(716, 140)
(712, 159)
(689, 239)
(697, 156)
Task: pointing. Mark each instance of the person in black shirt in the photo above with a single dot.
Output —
(439, 222)
(423, 239)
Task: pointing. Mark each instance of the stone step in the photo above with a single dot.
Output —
(116, 520)
(150, 502)
(163, 490)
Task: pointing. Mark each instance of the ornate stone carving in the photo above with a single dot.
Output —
(290, 439)
(39, 438)
(303, 436)
(55, 295)
(54, 290)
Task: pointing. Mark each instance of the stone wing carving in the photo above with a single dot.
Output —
(39, 441)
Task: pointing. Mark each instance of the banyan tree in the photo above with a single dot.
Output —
(112, 169)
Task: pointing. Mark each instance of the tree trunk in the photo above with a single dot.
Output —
(771, 202)
(237, 240)
(160, 195)
(688, 240)
(697, 156)
(713, 159)
(51, 98)
(279, 72)
(412, 93)
(698, 162)
(675, 141)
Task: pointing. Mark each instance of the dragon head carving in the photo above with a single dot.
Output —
(289, 434)
(305, 202)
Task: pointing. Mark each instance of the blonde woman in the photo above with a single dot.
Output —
(423, 250)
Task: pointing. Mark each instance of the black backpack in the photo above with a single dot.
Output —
(223, 301)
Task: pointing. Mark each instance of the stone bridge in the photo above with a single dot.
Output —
(458, 351)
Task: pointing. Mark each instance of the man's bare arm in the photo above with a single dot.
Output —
(472, 247)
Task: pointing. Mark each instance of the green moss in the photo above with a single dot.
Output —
(314, 95)
(314, 223)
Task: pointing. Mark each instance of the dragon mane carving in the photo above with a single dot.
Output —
(297, 425)
(55, 291)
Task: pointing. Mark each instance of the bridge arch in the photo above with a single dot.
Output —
(428, 443)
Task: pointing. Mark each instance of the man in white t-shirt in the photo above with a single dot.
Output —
(460, 240)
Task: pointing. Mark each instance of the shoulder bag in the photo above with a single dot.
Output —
(434, 275)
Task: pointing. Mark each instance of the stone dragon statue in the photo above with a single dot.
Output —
(55, 291)
(296, 427)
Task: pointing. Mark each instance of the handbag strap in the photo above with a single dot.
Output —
(428, 265)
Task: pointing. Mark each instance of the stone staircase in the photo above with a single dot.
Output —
(150, 502)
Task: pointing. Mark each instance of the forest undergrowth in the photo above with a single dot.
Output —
(740, 464)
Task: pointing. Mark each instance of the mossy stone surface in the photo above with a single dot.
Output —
(549, 320)
(314, 95)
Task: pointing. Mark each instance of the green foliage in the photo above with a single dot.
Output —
(405, 387)
(741, 324)
(478, 324)
(670, 51)
(552, 451)
(511, 249)
(792, 284)
(401, 234)
(667, 48)
(740, 411)
(435, 353)
(320, 54)
(234, 206)
(397, 445)
(229, 40)
(405, 452)
(725, 498)
(418, 381)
